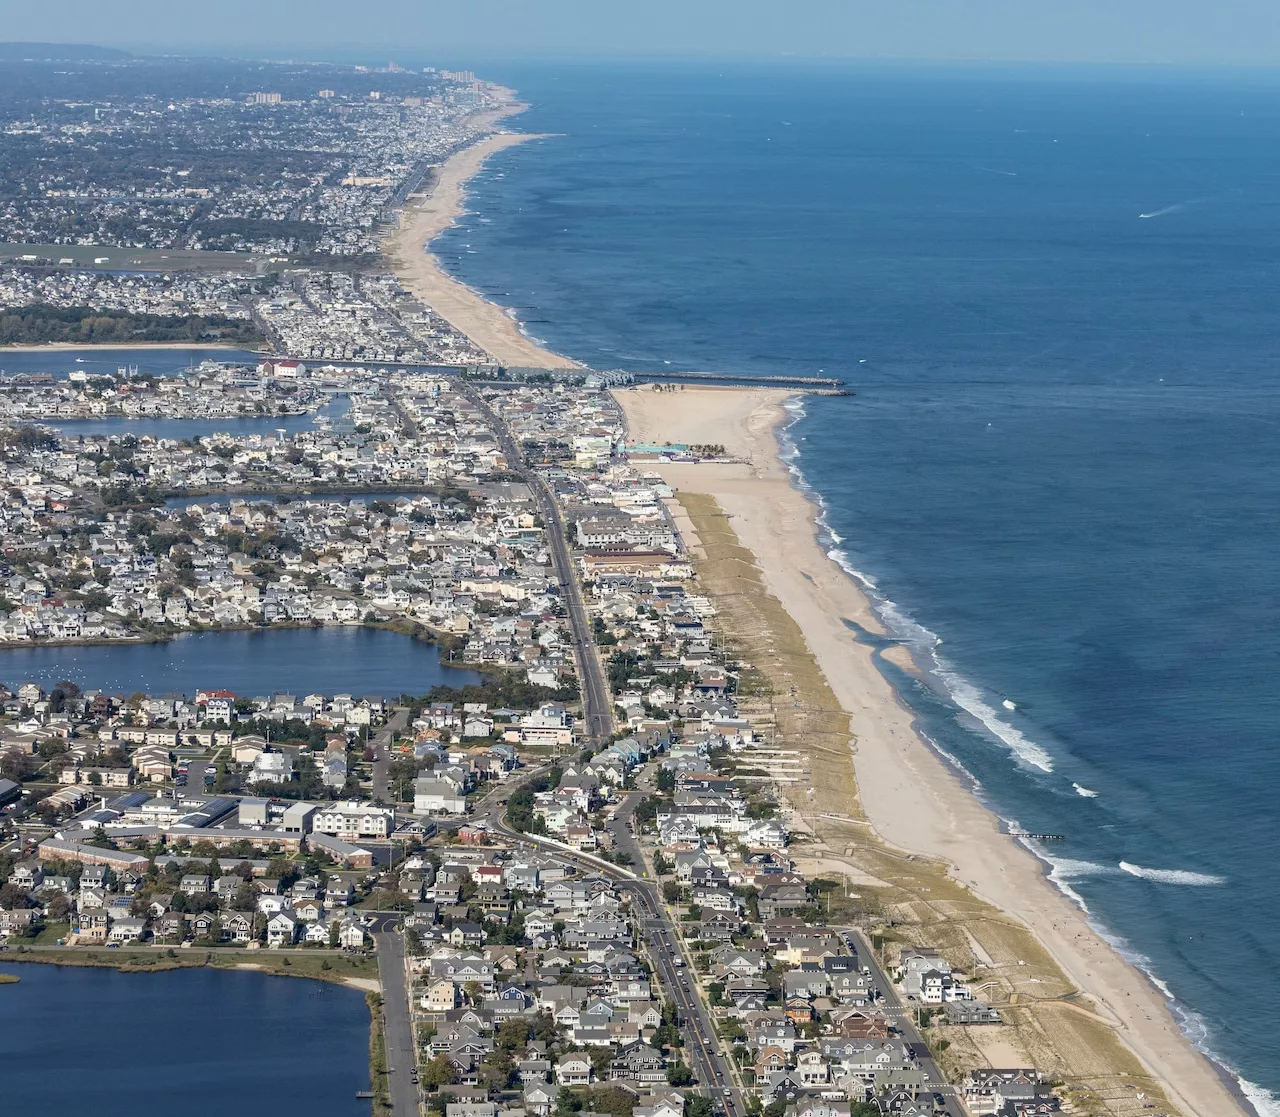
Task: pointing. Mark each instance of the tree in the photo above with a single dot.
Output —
(678, 1074)
(438, 1072)
(697, 1106)
(13, 897)
(567, 1103)
(473, 991)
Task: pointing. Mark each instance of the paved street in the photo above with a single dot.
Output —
(597, 706)
(900, 1015)
(382, 754)
(395, 1013)
(677, 981)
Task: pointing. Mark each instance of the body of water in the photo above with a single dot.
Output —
(1054, 293)
(203, 1042)
(329, 660)
(106, 362)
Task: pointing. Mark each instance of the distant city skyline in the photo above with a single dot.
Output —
(1243, 32)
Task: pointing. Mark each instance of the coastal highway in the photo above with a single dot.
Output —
(395, 1014)
(597, 705)
(675, 975)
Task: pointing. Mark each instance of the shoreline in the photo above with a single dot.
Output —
(913, 798)
(421, 221)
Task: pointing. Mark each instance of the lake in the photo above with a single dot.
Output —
(202, 1042)
(354, 660)
(104, 362)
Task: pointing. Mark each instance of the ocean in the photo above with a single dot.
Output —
(1053, 293)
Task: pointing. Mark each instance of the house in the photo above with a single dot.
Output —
(351, 936)
(127, 929)
(928, 978)
(282, 929)
(238, 926)
(985, 1090)
(539, 1100)
(437, 796)
(193, 884)
(638, 1062)
(573, 1069)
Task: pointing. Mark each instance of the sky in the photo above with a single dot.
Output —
(1158, 31)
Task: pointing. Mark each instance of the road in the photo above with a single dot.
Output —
(900, 1015)
(597, 705)
(395, 1014)
(382, 754)
(658, 932)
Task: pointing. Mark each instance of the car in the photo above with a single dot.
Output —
(727, 1092)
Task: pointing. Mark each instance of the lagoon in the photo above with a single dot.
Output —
(201, 1042)
(329, 660)
(157, 360)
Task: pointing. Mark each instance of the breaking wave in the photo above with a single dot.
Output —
(1086, 792)
(1173, 876)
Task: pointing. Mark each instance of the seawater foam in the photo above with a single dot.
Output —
(905, 628)
(1062, 871)
(1173, 876)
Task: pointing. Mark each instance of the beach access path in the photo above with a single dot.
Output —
(912, 799)
(425, 216)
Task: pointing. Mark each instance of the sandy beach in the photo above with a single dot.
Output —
(425, 217)
(914, 801)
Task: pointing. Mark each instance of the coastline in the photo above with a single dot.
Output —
(914, 800)
(425, 217)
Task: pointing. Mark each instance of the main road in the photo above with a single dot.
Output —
(597, 705)
(655, 927)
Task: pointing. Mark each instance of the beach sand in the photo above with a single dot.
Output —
(913, 800)
(425, 217)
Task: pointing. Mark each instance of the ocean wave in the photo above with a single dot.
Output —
(1263, 1100)
(903, 627)
(1173, 876)
(969, 698)
(1062, 872)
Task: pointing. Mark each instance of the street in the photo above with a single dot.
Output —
(395, 1014)
(382, 755)
(656, 928)
(899, 1014)
(597, 705)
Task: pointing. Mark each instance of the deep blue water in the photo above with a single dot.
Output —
(1061, 460)
(200, 1042)
(301, 661)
